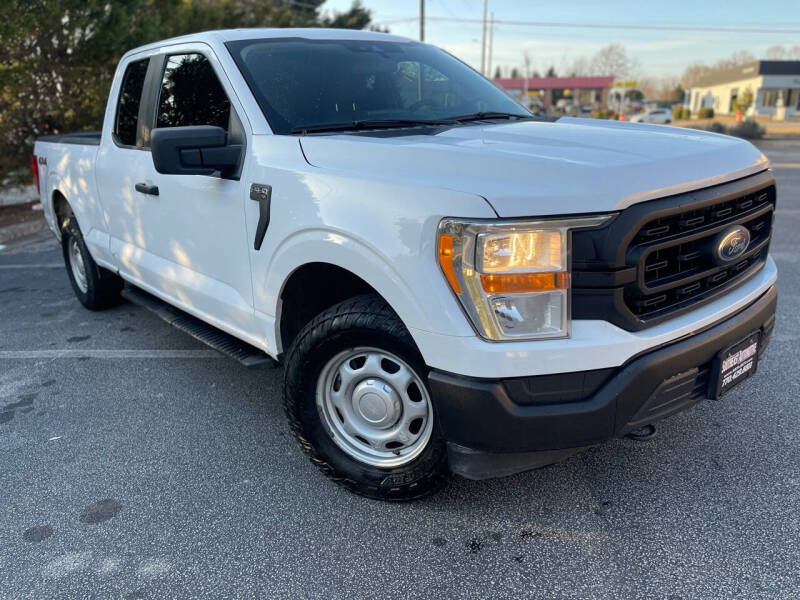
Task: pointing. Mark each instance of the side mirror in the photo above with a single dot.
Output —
(197, 150)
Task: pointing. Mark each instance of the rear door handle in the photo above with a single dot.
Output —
(147, 189)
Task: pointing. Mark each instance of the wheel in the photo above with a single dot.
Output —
(357, 401)
(95, 287)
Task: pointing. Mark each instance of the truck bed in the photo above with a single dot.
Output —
(86, 138)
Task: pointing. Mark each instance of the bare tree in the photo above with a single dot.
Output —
(697, 71)
(742, 57)
(609, 60)
(661, 88)
(581, 67)
(777, 52)
(614, 60)
(694, 73)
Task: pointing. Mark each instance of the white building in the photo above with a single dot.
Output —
(775, 85)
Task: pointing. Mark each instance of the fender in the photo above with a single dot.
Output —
(338, 249)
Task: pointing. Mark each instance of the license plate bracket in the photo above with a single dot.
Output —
(734, 364)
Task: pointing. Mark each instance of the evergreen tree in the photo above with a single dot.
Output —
(57, 57)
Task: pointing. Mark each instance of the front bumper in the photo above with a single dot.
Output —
(500, 426)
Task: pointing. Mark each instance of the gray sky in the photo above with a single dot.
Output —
(658, 52)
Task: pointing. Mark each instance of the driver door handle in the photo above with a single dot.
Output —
(147, 189)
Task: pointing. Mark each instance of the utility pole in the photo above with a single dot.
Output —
(525, 99)
(483, 38)
(421, 20)
(491, 46)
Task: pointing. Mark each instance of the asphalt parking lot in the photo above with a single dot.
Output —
(135, 463)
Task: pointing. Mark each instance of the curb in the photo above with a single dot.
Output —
(12, 232)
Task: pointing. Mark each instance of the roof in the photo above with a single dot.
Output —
(312, 33)
(748, 71)
(551, 83)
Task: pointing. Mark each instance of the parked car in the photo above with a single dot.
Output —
(659, 116)
(450, 283)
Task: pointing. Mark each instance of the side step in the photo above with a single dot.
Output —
(250, 356)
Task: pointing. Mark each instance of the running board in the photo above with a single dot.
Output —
(250, 356)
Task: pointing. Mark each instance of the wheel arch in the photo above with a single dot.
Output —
(61, 210)
(316, 285)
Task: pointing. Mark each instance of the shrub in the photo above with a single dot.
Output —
(686, 114)
(677, 113)
(715, 127)
(705, 113)
(744, 100)
(750, 130)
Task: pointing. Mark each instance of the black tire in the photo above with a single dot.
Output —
(360, 321)
(102, 287)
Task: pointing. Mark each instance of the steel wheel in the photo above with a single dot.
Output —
(375, 407)
(77, 265)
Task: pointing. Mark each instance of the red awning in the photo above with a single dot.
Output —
(555, 83)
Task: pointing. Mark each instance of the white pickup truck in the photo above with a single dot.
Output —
(452, 284)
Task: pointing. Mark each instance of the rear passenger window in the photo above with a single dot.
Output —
(191, 94)
(130, 96)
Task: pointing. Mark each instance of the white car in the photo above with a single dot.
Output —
(450, 284)
(658, 116)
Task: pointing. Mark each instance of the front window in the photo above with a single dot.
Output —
(191, 94)
(301, 82)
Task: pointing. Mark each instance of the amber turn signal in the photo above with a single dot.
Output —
(446, 261)
(520, 283)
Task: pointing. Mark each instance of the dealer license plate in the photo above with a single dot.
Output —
(735, 364)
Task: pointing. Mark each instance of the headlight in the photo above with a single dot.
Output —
(512, 278)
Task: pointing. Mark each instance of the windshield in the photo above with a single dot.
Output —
(303, 83)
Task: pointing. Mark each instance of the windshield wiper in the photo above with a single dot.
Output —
(485, 116)
(370, 124)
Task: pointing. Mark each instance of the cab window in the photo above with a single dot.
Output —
(130, 97)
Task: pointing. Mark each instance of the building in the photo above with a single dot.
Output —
(775, 85)
(546, 92)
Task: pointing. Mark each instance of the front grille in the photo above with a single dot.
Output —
(656, 259)
(675, 253)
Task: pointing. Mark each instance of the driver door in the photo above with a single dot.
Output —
(192, 243)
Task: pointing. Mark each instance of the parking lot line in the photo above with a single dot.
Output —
(39, 266)
(103, 353)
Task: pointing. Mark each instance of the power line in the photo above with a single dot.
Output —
(632, 26)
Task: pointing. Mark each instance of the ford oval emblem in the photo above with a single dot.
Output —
(731, 244)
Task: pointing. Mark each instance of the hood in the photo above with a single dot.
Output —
(546, 168)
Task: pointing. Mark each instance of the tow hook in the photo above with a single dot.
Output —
(642, 434)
